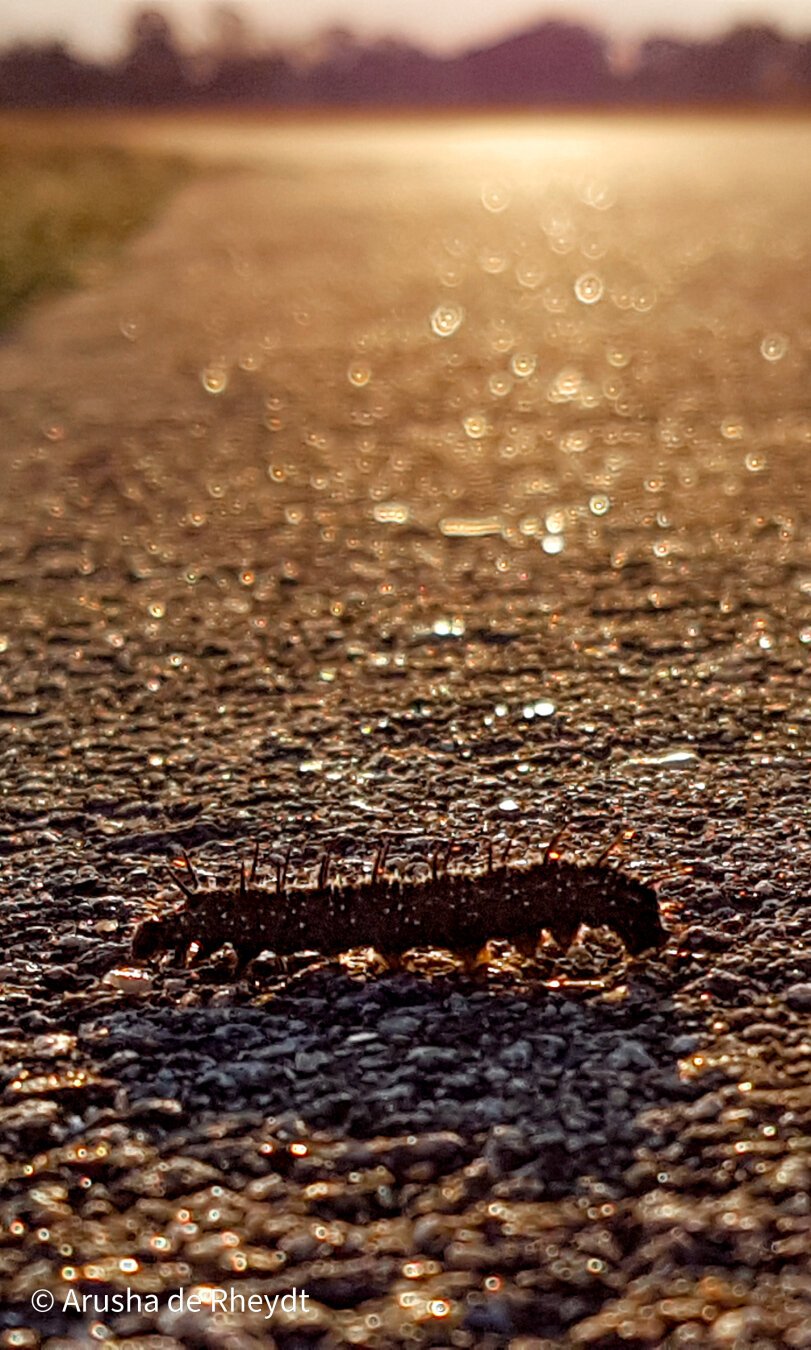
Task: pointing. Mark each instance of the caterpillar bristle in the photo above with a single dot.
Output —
(550, 853)
(380, 859)
(508, 847)
(435, 862)
(285, 867)
(684, 871)
(618, 839)
(178, 881)
(323, 871)
(190, 869)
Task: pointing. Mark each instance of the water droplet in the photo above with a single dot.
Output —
(500, 384)
(599, 504)
(450, 275)
(774, 346)
(529, 273)
(495, 197)
(732, 428)
(643, 298)
(523, 365)
(668, 759)
(470, 527)
(593, 247)
(599, 194)
(556, 298)
(543, 708)
(552, 543)
(453, 627)
(391, 513)
(214, 379)
(508, 804)
(566, 385)
(589, 288)
(359, 374)
(476, 426)
(492, 262)
(446, 319)
(575, 442)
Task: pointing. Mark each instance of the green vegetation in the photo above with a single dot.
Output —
(67, 206)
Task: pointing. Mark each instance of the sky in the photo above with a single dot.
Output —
(97, 28)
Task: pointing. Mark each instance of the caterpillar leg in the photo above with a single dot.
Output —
(311, 964)
(226, 960)
(527, 946)
(564, 934)
(473, 958)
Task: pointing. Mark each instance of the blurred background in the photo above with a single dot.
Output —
(193, 53)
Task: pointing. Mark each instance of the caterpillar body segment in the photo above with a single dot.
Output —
(456, 911)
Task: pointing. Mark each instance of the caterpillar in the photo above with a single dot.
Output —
(456, 911)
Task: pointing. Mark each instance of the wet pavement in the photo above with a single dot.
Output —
(444, 482)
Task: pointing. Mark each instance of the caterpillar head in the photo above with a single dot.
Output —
(641, 929)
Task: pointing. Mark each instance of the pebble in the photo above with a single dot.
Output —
(764, 889)
(798, 997)
(129, 980)
(630, 1055)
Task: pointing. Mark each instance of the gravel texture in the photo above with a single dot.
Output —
(341, 510)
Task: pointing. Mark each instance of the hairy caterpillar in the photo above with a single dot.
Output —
(457, 911)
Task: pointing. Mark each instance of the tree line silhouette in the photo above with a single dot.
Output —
(552, 63)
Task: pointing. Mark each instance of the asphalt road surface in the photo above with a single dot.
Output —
(446, 483)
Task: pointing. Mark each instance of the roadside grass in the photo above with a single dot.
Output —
(66, 207)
